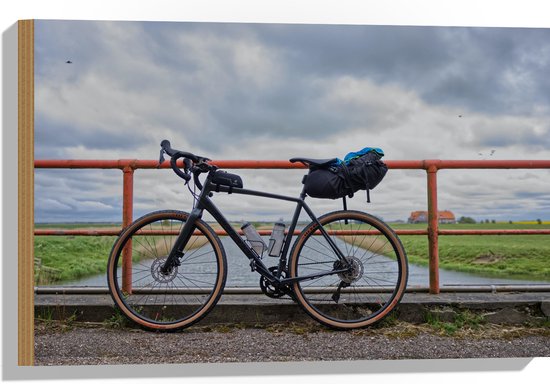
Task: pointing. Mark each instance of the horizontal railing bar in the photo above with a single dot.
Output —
(459, 232)
(153, 164)
(194, 291)
(486, 164)
(220, 232)
(284, 164)
(48, 290)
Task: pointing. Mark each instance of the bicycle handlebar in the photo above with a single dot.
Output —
(188, 157)
(166, 147)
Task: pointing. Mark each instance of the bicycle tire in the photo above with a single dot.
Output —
(166, 302)
(365, 294)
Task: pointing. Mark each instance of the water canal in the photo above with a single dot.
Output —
(240, 275)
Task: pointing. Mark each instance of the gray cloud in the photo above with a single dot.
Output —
(265, 91)
(481, 69)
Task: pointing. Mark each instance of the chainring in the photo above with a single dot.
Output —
(269, 289)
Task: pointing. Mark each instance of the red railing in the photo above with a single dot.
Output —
(128, 166)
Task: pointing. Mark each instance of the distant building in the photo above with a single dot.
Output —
(418, 217)
(445, 217)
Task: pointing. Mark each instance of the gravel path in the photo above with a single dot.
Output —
(80, 344)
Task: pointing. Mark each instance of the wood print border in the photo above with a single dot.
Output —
(26, 192)
(25, 201)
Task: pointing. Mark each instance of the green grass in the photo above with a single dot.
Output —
(463, 320)
(72, 257)
(514, 256)
(68, 258)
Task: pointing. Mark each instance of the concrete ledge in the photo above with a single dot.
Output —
(500, 308)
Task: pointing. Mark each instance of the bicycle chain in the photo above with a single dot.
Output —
(286, 296)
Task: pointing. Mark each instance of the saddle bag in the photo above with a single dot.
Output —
(325, 184)
(361, 170)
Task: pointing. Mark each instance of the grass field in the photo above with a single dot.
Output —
(69, 258)
(66, 258)
(515, 256)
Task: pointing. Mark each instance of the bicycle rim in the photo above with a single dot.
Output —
(166, 300)
(375, 273)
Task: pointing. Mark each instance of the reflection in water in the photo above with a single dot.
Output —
(240, 275)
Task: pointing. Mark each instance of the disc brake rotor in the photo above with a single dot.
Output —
(354, 274)
(162, 277)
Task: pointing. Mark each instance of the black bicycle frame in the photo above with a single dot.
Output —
(205, 203)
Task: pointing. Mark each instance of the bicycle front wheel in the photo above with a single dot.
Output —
(356, 275)
(166, 300)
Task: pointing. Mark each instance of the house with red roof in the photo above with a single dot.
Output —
(444, 217)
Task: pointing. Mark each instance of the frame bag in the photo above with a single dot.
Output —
(360, 170)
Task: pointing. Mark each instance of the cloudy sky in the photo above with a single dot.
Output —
(275, 91)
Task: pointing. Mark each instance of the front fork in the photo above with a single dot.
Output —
(185, 234)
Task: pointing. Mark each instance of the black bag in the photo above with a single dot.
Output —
(227, 179)
(364, 172)
(325, 184)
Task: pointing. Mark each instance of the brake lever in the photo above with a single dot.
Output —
(161, 158)
(187, 164)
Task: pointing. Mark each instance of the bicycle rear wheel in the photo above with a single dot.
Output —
(171, 300)
(375, 273)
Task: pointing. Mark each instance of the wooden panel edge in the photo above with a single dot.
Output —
(25, 201)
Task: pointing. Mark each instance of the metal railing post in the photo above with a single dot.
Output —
(433, 229)
(127, 218)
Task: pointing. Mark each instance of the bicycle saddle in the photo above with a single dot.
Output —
(314, 162)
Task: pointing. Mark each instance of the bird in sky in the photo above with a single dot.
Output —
(490, 154)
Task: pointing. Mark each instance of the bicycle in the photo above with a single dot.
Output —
(347, 269)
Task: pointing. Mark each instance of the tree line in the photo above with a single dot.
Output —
(470, 220)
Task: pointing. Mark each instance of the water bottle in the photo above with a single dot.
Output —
(276, 240)
(254, 238)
